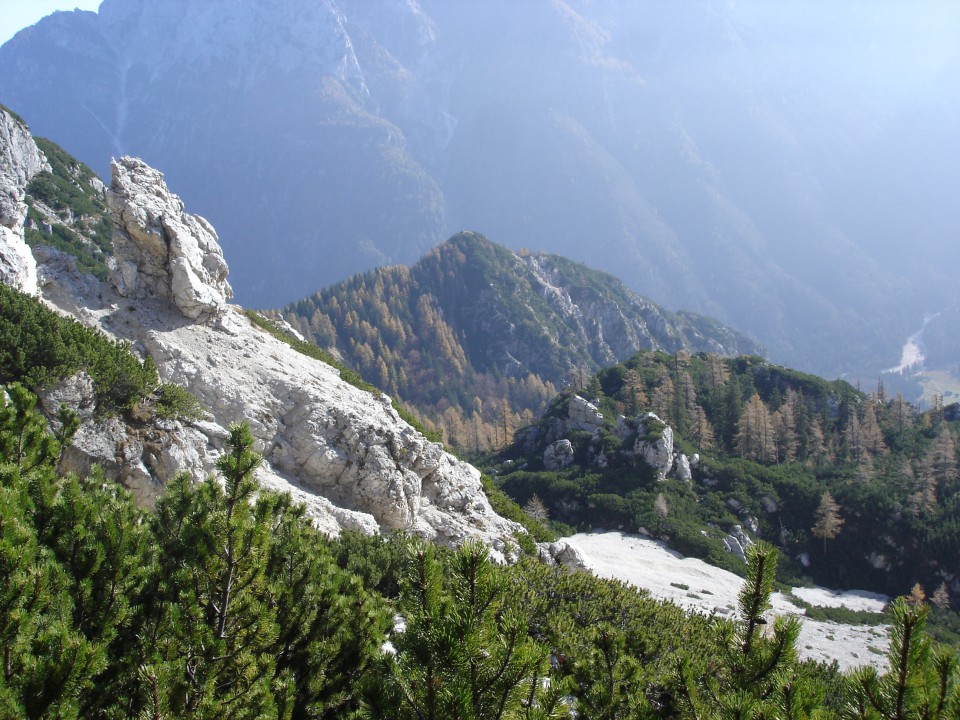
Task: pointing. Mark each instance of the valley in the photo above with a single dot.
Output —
(286, 446)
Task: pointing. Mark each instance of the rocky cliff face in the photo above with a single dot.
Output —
(685, 147)
(342, 451)
(20, 160)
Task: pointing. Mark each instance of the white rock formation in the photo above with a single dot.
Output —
(737, 542)
(563, 553)
(342, 451)
(20, 160)
(558, 455)
(682, 468)
(583, 415)
(655, 444)
(161, 251)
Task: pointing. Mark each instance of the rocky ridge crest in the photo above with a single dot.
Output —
(342, 451)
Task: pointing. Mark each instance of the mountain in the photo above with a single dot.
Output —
(341, 450)
(477, 337)
(713, 454)
(786, 169)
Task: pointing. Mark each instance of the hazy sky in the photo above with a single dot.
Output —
(18, 14)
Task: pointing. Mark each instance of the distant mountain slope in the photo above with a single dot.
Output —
(473, 325)
(739, 449)
(752, 161)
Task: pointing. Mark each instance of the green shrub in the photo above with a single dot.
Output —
(174, 402)
(39, 348)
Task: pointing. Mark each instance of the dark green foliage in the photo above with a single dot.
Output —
(89, 255)
(83, 227)
(47, 659)
(172, 401)
(243, 611)
(38, 347)
(893, 472)
(922, 682)
(227, 603)
(465, 651)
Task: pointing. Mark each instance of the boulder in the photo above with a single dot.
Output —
(737, 542)
(654, 444)
(583, 415)
(76, 392)
(558, 455)
(562, 553)
(161, 251)
(682, 468)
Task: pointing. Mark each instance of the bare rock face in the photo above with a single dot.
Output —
(20, 160)
(655, 444)
(558, 455)
(343, 452)
(583, 415)
(562, 553)
(682, 468)
(737, 543)
(161, 251)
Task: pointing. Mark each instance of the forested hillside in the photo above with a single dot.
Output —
(225, 602)
(858, 489)
(478, 338)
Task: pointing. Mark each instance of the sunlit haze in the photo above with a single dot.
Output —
(18, 14)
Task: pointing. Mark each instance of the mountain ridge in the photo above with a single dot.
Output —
(342, 451)
(688, 148)
(474, 321)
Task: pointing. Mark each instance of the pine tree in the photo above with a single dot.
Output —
(828, 521)
(785, 430)
(920, 683)
(219, 615)
(633, 393)
(756, 675)
(46, 660)
(465, 651)
(940, 461)
(941, 597)
(701, 431)
(329, 629)
(871, 436)
(662, 398)
(755, 436)
(535, 508)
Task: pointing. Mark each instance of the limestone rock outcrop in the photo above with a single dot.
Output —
(563, 553)
(583, 415)
(344, 452)
(654, 444)
(20, 160)
(737, 542)
(162, 251)
(558, 455)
